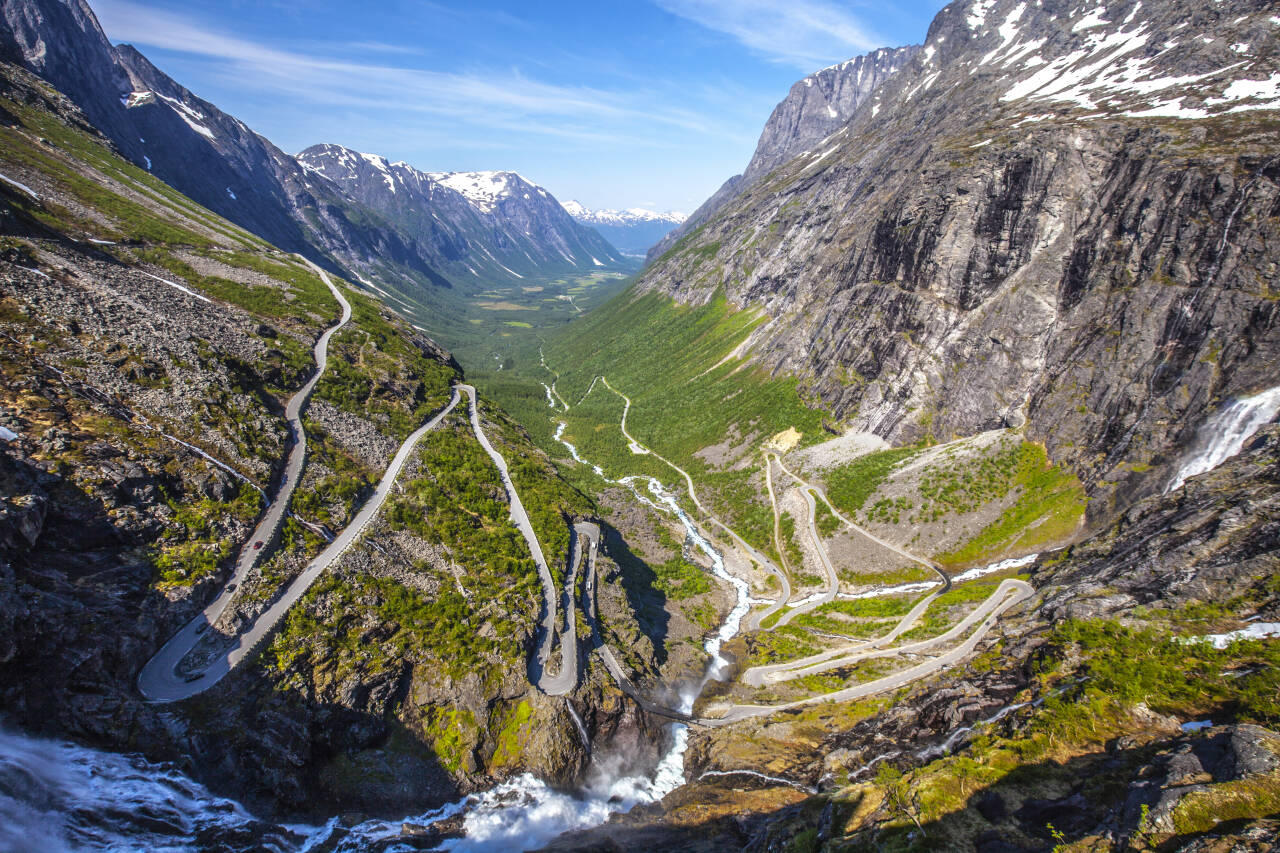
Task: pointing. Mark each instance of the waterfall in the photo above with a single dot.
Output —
(582, 730)
(1225, 433)
(60, 797)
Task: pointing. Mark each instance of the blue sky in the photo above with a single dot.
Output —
(617, 103)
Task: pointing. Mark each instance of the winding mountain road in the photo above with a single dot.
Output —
(1014, 592)
(1008, 594)
(753, 620)
(832, 591)
(567, 678)
(759, 676)
(157, 681)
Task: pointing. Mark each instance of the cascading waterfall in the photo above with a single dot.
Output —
(58, 797)
(1224, 434)
(582, 730)
(61, 797)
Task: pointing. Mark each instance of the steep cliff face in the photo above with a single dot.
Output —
(1053, 213)
(820, 104)
(815, 108)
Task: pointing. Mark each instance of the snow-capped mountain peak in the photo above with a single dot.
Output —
(632, 230)
(485, 189)
(619, 217)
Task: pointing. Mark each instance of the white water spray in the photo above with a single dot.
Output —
(1224, 434)
(59, 797)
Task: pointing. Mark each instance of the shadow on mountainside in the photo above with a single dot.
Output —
(640, 585)
(1119, 797)
(80, 615)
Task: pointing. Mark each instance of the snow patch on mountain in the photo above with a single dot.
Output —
(1124, 68)
(192, 117)
(483, 189)
(630, 216)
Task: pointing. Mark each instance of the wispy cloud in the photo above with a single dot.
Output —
(803, 33)
(504, 99)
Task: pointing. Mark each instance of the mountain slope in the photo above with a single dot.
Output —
(1017, 228)
(1057, 223)
(633, 231)
(148, 351)
(815, 107)
(487, 225)
(216, 160)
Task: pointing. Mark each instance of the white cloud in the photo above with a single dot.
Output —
(804, 33)
(503, 99)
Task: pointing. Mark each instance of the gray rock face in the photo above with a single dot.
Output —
(1014, 226)
(819, 104)
(815, 108)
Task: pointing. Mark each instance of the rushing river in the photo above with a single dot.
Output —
(59, 797)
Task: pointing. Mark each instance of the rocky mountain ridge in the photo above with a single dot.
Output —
(1045, 199)
(633, 230)
(222, 164)
(490, 226)
(815, 107)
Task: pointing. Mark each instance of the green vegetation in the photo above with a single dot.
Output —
(790, 548)
(849, 486)
(373, 625)
(1103, 670)
(511, 735)
(786, 643)
(663, 355)
(870, 608)
(949, 608)
(206, 543)
(133, 221)
(377, 373)
(1243, 799)
(824, 519)
(915, 573)
(186, 563)
(1124, 665)
(738, 498)
(1048, 509)
(458, 502)
(550, 500)
(678, 579)
(347, 485)
(447, 729)
(821, 621)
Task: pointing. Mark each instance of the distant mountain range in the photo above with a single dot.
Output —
(633, 230)
(423, 236)
(487, 226)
